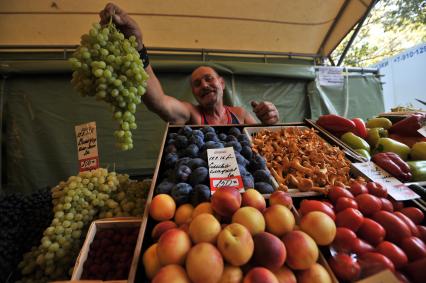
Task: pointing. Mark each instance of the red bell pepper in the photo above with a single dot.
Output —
(361, 130)
(410, 141)
(409, 125)
(394, 165)
(336, 124)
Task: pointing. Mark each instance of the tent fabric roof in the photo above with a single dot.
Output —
(312, 27)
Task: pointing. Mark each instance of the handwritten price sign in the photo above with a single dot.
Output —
(87, 146)
(223, 169)
(395, 188)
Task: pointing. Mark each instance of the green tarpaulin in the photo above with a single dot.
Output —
(40, 110)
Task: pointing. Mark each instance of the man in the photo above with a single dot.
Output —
(207, 87)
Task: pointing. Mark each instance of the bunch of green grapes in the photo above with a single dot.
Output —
(128, 200)
(77, 202)
(108, 66)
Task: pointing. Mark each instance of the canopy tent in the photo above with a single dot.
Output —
(303, 27)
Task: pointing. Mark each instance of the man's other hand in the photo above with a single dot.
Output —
(266, 112)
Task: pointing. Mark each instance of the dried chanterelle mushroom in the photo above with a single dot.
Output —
(298, 157)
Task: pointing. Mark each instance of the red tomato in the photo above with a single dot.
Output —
(416, 270)
(396, 229)
(336, 192)
(393, 252)
(361, 247)
(422, 232)
(345, 267)
(368, 204)
(307, 206)
(415, 214)
(414, 248)
(372, 263)
(344, 240)
(327, 202)
(413, 228)
(371, 231)
(397, 205)
(345, 202)
(386, 204)
(361, 130)
(357, 189)
(350, 218)
(377, 190)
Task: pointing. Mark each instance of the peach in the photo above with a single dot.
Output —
(302, 251)
(204, 207)
(204, 263)
(162, 207)
(226, 201)
(236, 244)
(269, 251)
(279, 219)
(150, 261)
(184, 213)
(253, 198)
(285, 275)
(231, 274)
(204, 228)
(172, 273)
(260, 275)
(319, 226)
(251, 218)
(280, 197)
(162, 227)
(316, 274)
(173, 247)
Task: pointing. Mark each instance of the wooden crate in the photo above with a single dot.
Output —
(124, 222)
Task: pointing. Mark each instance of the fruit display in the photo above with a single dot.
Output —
(23, 219)
(76, 202)
(398, 148)
(236, 237)
(107, 65)
(184, 173)
(110, 254)
(372, 233)
(299, 158)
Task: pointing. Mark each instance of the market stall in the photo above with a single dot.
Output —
(293, 201)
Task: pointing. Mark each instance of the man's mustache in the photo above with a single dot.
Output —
(207, 90)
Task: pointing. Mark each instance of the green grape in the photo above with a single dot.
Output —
(116, 195)
(107, 66)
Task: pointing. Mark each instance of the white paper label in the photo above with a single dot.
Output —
(394, 187)
(422, 131)
(87, 146)
(223, 169)
(330, 76)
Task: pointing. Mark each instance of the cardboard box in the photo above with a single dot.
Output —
(98, 225)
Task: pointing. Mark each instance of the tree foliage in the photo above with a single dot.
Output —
(391, 27)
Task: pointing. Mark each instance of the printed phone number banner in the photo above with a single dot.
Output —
(87, 146)
(223, 169)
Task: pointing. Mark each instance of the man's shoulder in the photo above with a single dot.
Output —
(237, 110)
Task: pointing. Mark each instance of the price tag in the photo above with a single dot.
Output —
(385, 276)
(330, 76)
(87, 146)
(422, 131)
(223, 169)
(395, 188)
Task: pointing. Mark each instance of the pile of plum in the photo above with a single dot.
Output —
(185, 170)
